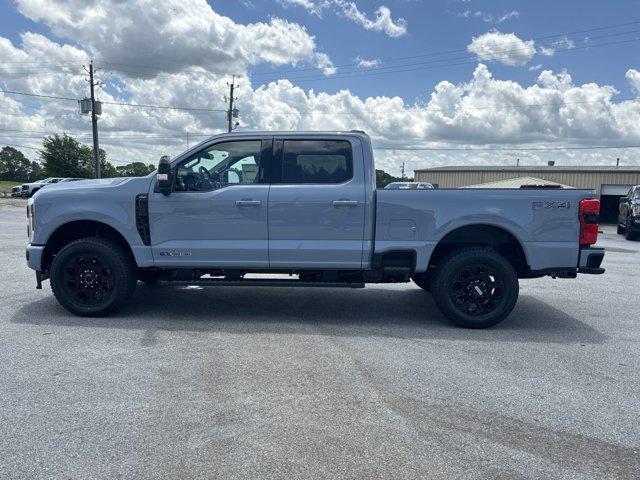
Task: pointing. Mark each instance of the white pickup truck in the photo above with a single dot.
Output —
(304, 205)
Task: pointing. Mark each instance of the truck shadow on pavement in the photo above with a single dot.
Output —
(372, 312)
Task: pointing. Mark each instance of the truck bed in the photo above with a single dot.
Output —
(544, 221)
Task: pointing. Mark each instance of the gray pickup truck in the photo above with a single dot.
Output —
(303, 208)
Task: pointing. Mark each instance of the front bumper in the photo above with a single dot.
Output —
(590, 260)
(634, 224)
(34, 256)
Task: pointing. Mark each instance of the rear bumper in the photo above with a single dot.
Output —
(34, 256)
(590, 260)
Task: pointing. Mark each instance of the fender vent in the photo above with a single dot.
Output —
(142, 218)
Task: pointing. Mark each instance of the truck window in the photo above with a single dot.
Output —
(316, 161)
(218, 166)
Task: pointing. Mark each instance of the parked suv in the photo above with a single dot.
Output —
(409, 186)
(629, 214)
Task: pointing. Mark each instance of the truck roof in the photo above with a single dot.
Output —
(297, 133)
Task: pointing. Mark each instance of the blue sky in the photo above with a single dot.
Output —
(440, 25)
(518, 77)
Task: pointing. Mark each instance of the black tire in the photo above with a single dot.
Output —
(620, 230)
(628, 233)
(92, 277)
(423, 280)
(475, 287)
(150, 277)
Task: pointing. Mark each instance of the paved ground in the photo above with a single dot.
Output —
(276, 383)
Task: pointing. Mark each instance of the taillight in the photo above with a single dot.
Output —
(589, 212)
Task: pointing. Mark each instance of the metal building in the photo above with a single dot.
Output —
(610, 183)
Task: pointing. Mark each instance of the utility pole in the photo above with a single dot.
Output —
(230, 111)
(94, 122)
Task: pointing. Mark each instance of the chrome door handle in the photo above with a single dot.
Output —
(345, 203)
(248, 203)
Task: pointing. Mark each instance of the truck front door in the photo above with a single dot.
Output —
(316, 204)
(216, 215)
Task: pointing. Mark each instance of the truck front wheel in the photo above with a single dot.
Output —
(92, 277)
(475, 287)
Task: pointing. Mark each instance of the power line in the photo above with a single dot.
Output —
(137, 105)
(498, 149)
(400, 68)
(355, 64)
(20, 146)
(12, 92)
(160, 66)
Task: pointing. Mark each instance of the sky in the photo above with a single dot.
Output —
(433, 82)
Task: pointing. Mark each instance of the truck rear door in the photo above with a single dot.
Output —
(316, 203)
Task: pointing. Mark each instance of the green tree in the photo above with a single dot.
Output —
(135, 169)
(63, 156)
(36, 172)
(13, 164)
(383, 179)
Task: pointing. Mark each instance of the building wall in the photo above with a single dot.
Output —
(456, 179)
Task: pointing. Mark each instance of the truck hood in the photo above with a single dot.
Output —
(100, 187)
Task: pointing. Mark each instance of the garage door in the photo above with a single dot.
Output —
(618, 190)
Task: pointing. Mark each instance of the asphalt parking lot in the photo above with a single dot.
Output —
(320, 383)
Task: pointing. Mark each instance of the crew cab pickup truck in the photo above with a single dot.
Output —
(304, 206)
(29, 189)
(629, 214)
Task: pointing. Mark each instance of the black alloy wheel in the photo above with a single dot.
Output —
(475, 287)
(92, 276)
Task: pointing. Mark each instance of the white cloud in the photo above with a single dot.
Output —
(633, 76)
(508, 15)
(486, 17)
(170, 35)
(563, 44)
(324, 62)
(364, 63)
(382, 21)
(506, 48)
(309, 5)
(533, 68)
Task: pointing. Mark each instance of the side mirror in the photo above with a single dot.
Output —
(164, 178)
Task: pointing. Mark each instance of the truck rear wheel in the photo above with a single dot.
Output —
(475, 287)
(92, 277)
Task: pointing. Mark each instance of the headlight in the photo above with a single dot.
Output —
(635, 210)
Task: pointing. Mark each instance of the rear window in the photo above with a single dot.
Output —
(316, 161)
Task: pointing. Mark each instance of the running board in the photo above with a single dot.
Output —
(266, 282)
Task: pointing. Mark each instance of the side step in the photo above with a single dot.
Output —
(265, 282)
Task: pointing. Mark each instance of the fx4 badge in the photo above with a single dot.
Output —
(175, 254)
(550, 205)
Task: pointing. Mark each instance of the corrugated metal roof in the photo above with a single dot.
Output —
(532, 168)
(516, 183)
